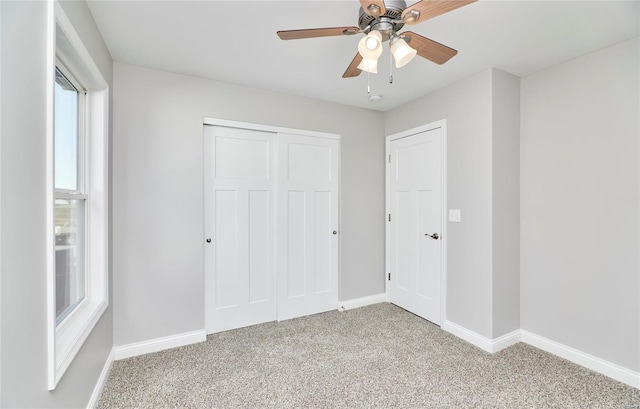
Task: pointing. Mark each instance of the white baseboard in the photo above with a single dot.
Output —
(461, 332)
(159, 344)
(362, 302)
(505, 341)
(97, 390)
(596, 364)
(486, 344)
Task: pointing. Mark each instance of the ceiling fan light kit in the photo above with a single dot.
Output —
(402, 52)
(381, 21)
(370, 46)
(369, 65)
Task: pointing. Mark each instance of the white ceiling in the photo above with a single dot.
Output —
(236, 42)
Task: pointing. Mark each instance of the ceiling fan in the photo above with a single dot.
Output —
(381, 20)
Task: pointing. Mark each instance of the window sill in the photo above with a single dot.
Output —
(72, 332)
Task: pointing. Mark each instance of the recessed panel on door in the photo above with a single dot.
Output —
(296, 261)
(241, 158)
(260, 274)
(427, 286)
(322, 242)
(308, 163)
(226, 250)
(410, 163)
(404, 225)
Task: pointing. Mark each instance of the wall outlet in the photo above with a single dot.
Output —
(454, 215)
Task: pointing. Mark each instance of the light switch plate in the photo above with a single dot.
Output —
(454, 215)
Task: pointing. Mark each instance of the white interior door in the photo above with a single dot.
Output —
(415, 201)
(239, 216)
(307, 225)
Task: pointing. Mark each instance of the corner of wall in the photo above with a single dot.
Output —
(505, 197)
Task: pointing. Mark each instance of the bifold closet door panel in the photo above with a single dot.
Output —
(239, 227)
(307, 225)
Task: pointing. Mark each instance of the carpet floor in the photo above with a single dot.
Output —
(378, 356)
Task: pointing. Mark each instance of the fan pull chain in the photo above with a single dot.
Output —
(368, 83)
(390, 68)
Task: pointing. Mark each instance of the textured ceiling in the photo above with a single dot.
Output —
(236, 42)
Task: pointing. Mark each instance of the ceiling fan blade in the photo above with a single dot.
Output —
(429, 49)
(374, 8)
(431, 8)
(352, 69)
(317, 32)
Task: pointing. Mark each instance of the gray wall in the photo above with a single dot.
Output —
(23, 298)
(158, 192)
(505, 175)
(580, 204)
(466, 105)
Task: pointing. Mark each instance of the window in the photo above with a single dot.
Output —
(77, 193)
(70, 197)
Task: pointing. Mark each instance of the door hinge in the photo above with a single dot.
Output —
(389, 216)
(389, 277)
(389, 158)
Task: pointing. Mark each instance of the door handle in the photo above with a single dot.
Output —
(434, 236)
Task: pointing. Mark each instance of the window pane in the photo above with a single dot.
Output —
(66, 134)
(70, 254)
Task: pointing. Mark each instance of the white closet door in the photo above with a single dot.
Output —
(307, 225)
(239, 227)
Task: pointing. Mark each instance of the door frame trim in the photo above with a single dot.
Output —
(442, 124)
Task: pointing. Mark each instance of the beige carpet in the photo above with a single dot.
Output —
(373, 357)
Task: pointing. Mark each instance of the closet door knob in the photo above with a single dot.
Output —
(434, 236)
(209, 240)
(335, 232)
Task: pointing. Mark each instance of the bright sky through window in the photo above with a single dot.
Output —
(66, 137)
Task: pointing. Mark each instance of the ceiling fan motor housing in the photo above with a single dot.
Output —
(388, 23)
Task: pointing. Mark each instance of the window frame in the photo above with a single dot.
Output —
(66, 48)
(83, 128)
(80, 193)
